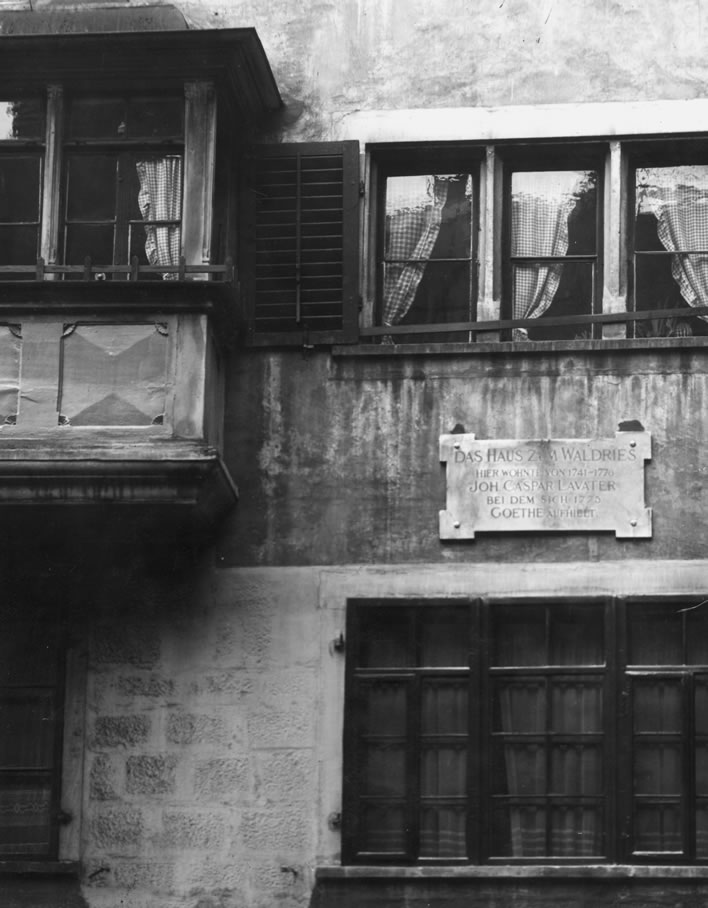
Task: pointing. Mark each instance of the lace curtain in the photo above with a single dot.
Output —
(160, 203)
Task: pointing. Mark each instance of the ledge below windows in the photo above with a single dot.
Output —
(520, 347)
(515, 872)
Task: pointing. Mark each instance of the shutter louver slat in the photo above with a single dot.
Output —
(304, 225)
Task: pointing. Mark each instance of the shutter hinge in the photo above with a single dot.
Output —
(362, 189)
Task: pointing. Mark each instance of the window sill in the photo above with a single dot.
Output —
(518, 347)
(39, 868)
(515, 872)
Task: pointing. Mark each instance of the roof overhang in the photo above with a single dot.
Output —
(153, 59)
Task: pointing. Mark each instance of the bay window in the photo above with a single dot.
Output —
(526, 732)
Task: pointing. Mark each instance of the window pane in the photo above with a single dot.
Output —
(549, 290)
(519, 832)
(19, 189)
(576, 706)
(444, 707)
(18, 246)
(91, 188)
(384, 638)
(26, 730)
(22, 119)
(701, 705)
(442, 832)
(521, 768)
(383, 828)
(697, 636)
(428, 219)
(657, 768)
(97, 118)
(443, 771)
(658, 828)
(444, 636)
(657, 706)
(702, 830)
(655, 636)
(702, 768)
(384, 708)
(553, 212)
(520, 706)
(576, 832)
(89, 240)
(384, 770)
(25, 806)
(519, 636)
(576, 769)
(576, 636)
(155, 117)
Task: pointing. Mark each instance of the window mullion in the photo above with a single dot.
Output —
(489, 301)
(51, 180)
(614, 279)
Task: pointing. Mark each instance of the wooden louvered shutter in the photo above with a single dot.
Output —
(301, 243)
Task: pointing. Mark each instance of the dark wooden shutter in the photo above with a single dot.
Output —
(300, 242)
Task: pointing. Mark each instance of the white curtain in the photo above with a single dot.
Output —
(540, 208)
(160, 201)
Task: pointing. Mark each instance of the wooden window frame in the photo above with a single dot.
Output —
(614, 315)
(616, 672)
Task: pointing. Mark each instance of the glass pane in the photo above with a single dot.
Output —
(443, 771)
(26, 731)
(576, 769)
(521, 769)
(97, 118)
(520, 706)
(444, 707)
(19, 189)
(657, 768)
(547, 290)
(384, 711)
(22, 119)
(90, 240)
(444, 636)
(155, 117)
(428, 217)
(655, 637)
(384, 770)
(657, 828)
(554, 212)
(702, 830)
(576, 832)
(577, 636)
(91, 189)
(657, 705)
(114, 375)
(18, 246)
(40, 638)
(702, 768)
(697, 636)
(701, 718)
(442, 832)
(384, 638)
(672, 198)
(519, 636)
(25, 807)
(519, 832)
(576, 706)
(383, 828)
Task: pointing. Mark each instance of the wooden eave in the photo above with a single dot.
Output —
(151, 60)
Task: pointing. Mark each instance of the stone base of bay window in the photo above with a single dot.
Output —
(32, 884)
(546, 886)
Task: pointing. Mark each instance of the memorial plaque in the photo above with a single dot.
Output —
(591, 484)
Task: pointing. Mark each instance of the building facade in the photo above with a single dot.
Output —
(352, 456)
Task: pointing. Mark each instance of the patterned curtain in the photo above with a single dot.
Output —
(411, 232)
(160, 202)
(539, 227)
(682, 223)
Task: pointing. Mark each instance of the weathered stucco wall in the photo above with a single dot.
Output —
(338, 457)
(331, 58)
